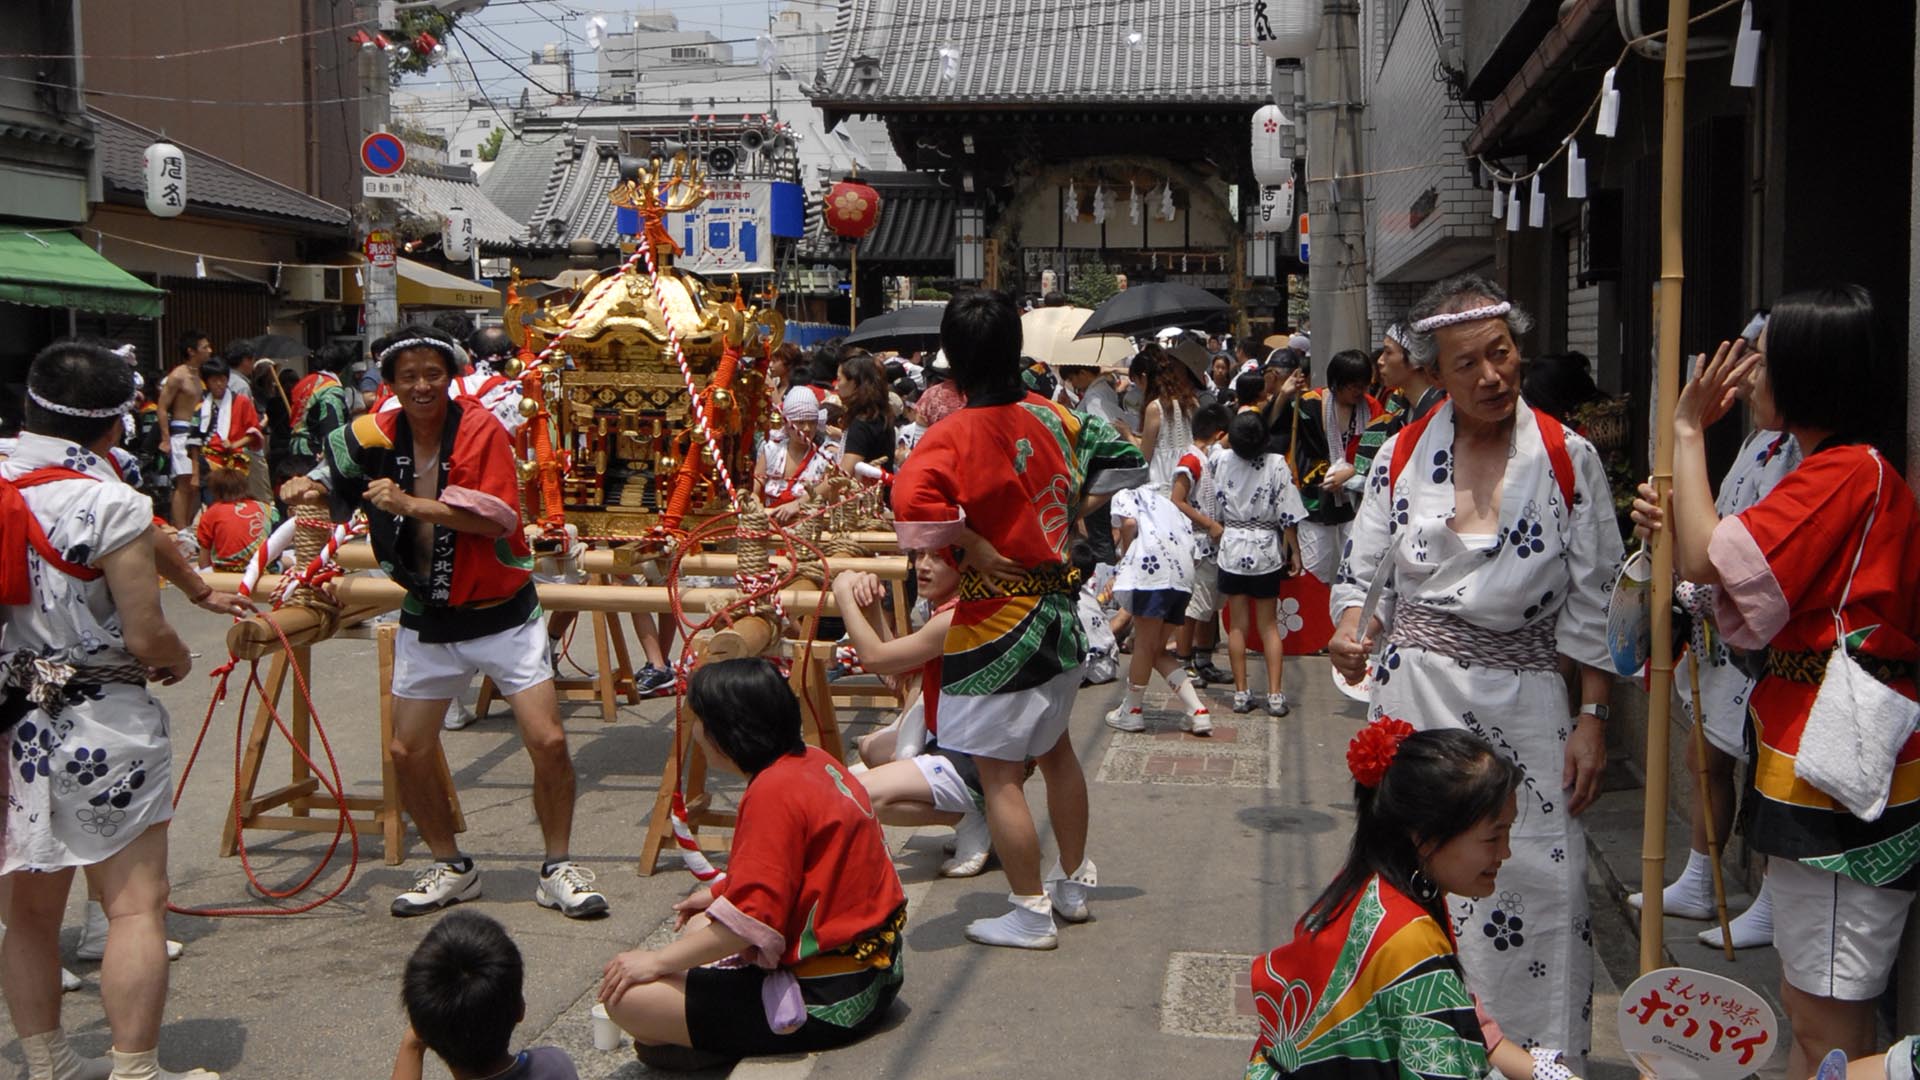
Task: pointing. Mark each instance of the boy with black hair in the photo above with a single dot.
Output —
(1005, 478)
(1249, 390)
(179, 397)
(462, 993)
(227, 420)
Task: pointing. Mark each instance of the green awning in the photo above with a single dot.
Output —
(55, 269)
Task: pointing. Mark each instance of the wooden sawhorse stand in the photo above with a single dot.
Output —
(819, 726)
(382, 814)
(610, 681)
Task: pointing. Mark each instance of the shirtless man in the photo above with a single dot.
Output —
(179, 398)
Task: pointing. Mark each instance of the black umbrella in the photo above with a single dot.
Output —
(904, 329)
(1143, 309)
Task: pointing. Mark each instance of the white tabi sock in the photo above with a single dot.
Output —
(1183, 689)
(1751, 928)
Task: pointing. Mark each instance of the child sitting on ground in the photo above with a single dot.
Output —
(1156, 575)
(463, 999)
(909, 778)
(1102, 665)
(235, 524)
(810, 907)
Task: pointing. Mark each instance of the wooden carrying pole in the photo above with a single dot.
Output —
(1653, 842)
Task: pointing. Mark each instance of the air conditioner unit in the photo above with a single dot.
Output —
(312, 284)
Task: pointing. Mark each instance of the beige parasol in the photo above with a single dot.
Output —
(1048, 334)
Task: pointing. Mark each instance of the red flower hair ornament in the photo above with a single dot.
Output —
(1371, 751)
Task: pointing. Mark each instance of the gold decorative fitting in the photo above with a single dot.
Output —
(529, 408)
(513, 368)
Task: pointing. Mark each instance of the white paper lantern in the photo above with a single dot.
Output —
(1276, 210)
(1286, 29)
(166, 180)
(1271, 165)
(456, 237)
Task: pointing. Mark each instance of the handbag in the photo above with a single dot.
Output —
(1858, 724)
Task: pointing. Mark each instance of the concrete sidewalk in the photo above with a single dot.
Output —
(1208, 851)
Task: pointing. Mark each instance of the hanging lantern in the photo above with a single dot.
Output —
(853, 209)
(1271, 165)
(1285, 29)
(456, 238)
(166, 180)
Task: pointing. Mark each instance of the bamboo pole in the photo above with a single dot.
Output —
(1653, 843)
(1706, 801)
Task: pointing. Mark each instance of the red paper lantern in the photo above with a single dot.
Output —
(853, 209)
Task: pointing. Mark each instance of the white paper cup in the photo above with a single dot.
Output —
(606, 1034)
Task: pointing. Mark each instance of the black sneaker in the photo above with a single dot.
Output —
(1212, 673)
(653, 681)
(1194, 674)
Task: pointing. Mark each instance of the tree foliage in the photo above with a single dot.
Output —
(1091, 285)
(491, 148)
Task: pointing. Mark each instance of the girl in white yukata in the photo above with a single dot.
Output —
(1725, 686)
(1250, 494)
(1156, 576)
(1495, 528)
(89, 762)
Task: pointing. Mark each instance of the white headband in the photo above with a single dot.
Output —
(403, 344)
(1434, 322)
(1398, 335)
(88, 414)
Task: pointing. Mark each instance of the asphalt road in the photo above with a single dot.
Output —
(1208, 850)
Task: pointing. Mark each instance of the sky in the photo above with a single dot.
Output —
(529, 24)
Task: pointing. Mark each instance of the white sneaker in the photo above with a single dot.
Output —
(442, 885)
(458, 716)
(69, 982)
(1200, 722)
(972, 842)
(1123, 718)
(568, 889)
(1021, 928)
(1069, 894)
(1243, 701)
(93, 938)
(1277, 705)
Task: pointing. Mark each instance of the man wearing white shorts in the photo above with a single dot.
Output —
(436, 479)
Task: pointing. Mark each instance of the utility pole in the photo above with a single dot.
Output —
(381, 289)
(1337, 269)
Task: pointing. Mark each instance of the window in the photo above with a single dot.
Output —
(466, 155)
(485, 124)
(688, 52)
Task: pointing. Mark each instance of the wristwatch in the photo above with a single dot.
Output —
(1598, 712)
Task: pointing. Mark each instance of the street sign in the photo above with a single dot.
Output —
(382, 153)
(1303, 238)
(381, 249)
(383, 187)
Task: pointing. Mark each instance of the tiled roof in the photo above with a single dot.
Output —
(574, 205)
(915, 226)
(430, 197)
(1041, 52)
(211, 182)
(518, 176)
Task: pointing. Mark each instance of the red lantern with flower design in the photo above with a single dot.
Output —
(853, 209)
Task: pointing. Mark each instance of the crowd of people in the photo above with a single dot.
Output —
(1066, 528)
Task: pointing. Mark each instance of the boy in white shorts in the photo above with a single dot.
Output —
(436, 478)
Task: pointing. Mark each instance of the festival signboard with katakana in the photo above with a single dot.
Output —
(1681, 1024)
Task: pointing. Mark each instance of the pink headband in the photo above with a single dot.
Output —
(1434, 322)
